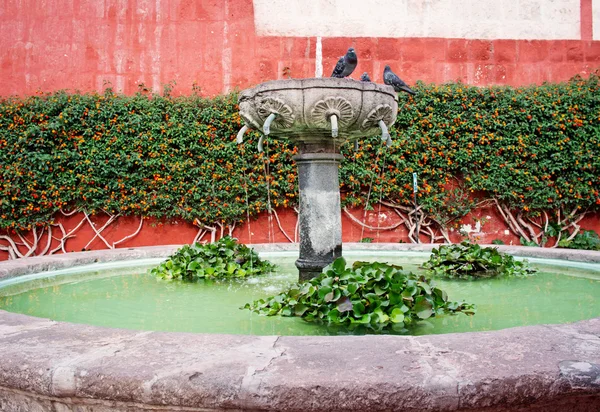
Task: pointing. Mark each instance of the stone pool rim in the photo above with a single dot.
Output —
(45, 365)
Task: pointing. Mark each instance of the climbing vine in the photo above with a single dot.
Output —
(530, 151)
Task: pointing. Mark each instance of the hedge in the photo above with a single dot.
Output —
(533, 151)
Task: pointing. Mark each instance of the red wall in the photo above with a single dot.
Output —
(85, 44)
(265, 230)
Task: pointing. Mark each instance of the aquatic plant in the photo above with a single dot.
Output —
(376, 295)
(471, 261)
(225, 258)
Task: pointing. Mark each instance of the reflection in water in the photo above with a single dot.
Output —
(131, 298)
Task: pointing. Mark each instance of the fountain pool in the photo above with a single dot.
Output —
(125, 295)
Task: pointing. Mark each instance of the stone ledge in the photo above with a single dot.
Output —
(80, 366)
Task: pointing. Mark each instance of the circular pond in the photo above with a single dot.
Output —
(125, 295)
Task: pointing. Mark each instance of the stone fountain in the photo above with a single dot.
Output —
(318, 116)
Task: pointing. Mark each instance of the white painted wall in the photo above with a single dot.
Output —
(472, 19)
(596, 18)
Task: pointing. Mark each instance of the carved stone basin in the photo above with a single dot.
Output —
(303, 108)
(318, 115)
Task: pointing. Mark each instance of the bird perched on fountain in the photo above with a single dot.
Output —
(390, 78)
(346, 64)
(365, 77)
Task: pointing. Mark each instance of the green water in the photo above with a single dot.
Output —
(128, 297)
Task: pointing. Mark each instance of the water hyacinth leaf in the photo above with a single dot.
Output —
(397, 316)
(423, 308)
(300, 309)
(425, 286)
(344, 304)
(323, 291)
(358, 308)
(441, 293)
(339, 265)
(352, 288)
(328, 281)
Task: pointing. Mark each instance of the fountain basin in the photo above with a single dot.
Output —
(61, 366)
(304, 107)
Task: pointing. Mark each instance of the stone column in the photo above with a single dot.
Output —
(320, 220)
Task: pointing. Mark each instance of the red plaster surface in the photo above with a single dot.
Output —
(266, 230)
(89, 44)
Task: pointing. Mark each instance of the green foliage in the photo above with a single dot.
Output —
(525, 242)
(587, 240)
(531, 148)
(367, 240)
(225, 258)
(497, 242)
(471, 261)
(376, 295)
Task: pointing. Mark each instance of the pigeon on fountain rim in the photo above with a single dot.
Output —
(390, 78)
(346, 64)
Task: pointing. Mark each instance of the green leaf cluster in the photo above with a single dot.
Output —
(376, 295)
(225, 258)
(471, 261)
(587, 240)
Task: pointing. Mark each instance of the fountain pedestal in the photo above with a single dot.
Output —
(319, 115)
(320, 220)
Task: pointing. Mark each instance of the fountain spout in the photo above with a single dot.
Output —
(260, 144)
(240, 136)
(385, 135)
(334, 125)
(267, 125)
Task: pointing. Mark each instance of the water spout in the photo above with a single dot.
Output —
(334, 125)
(240, 136)
(385, 135)
(260, 144)
(267, 125)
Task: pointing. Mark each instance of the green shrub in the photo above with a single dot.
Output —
(471, 261)
(376, 295)
(587, 240)
(225, 258)
(531, 148)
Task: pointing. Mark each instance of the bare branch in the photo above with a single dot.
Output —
(71, 213)
(48, 243)
(12, 248)
(199, 235)
(97, 232)
(529, 228)
(280, 227)
(66, 236)
(132, 235)
(364, 225)
(399, 207)
(510, 220)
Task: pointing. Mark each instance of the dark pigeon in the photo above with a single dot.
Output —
(345, 65)
(390, 78)
(365, 77)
